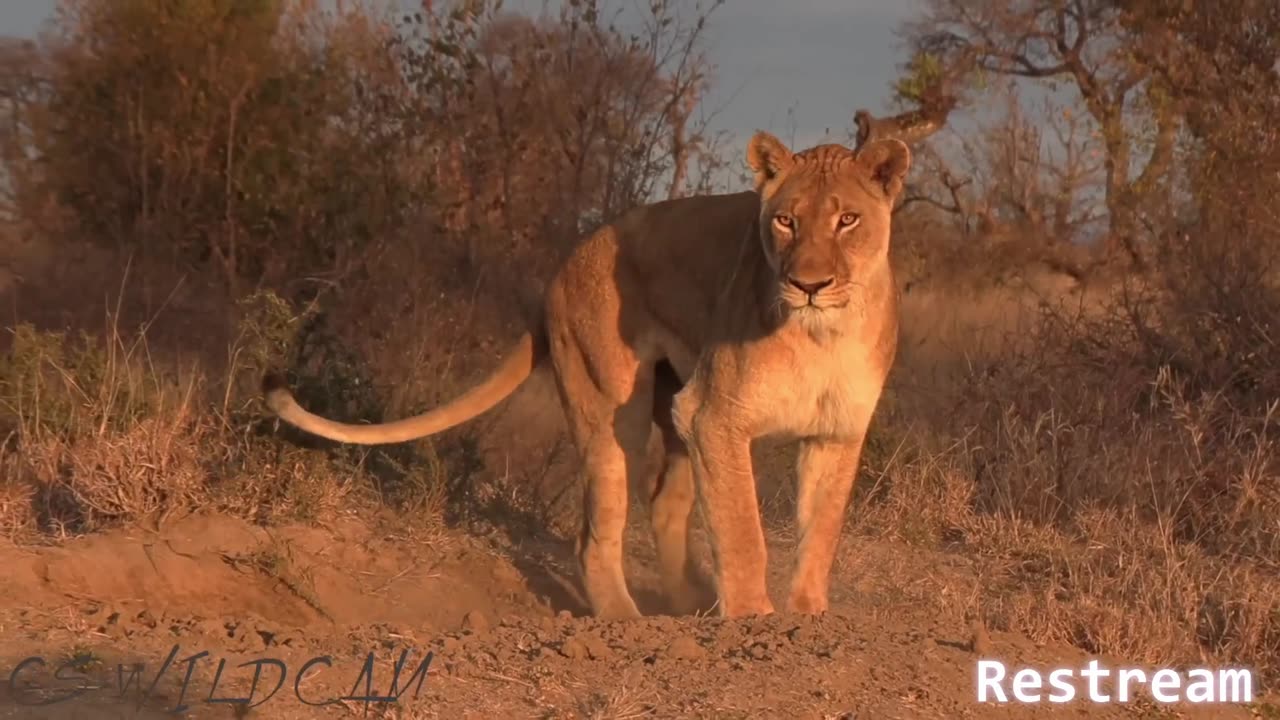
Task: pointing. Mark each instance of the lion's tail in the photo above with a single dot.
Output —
(513, 371)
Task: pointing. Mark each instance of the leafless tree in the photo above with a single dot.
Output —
(1089, 44)
(1021, 184)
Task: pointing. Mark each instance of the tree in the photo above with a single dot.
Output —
(23, 78)
(1219, 63)
(552, 125)
(1016, 192)
(209, 132)
(1089, 44)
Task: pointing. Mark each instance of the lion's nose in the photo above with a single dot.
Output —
(810, 287)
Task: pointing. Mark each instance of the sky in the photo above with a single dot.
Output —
(821, 59)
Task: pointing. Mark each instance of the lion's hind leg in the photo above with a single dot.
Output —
(671, 501)
(609, 409)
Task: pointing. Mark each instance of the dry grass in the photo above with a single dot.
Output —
(1114, 505)
(624, 702)
(102, 434)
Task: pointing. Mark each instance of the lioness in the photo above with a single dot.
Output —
(723, 318)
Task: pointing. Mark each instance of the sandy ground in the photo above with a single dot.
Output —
(504, 625)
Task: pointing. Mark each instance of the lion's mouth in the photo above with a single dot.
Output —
(815, 307)
(811, 304)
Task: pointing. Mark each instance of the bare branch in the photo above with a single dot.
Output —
(910, 127)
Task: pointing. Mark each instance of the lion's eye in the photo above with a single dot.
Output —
(783, 220)
(849, 219)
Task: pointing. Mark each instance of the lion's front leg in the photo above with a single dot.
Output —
(721, 460)
(826, 471)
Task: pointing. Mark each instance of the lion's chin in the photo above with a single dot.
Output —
(817, 315)
(820, 323)
(817, 320)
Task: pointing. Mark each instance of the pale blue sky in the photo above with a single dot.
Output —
(824, 58)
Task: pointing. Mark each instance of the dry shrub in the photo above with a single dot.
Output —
(18, 518)
(271, 141)
(1114, 573)
(400, 178)
(224, 133)
(1114, 463)
(96, 440)
(101, 437)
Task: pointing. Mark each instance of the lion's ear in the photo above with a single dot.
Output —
(768, 157)
(888, 161)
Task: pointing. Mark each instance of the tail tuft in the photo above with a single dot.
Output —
(276, 391)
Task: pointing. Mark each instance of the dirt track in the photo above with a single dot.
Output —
(503, 626)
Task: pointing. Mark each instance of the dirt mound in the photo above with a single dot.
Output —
(208, 565)
(136, 624)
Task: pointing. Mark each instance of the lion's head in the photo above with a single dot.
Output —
(824, 220)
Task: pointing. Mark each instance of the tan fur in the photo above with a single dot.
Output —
(687, 313)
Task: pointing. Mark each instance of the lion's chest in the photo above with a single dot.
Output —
(829, 394)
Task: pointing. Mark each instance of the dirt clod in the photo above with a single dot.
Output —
(475, 621)
(685, 648)
(574, 649)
